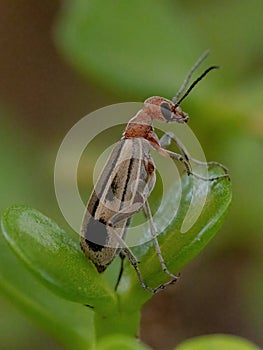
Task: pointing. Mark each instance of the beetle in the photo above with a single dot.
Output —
(127, 180)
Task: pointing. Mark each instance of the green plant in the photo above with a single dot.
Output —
(68, 281)
(54, 279)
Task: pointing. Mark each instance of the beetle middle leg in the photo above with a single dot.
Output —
(122, 256)
(125, 251)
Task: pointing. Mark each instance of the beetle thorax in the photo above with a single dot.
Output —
(139, 126)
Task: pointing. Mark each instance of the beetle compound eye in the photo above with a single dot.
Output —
(166, 111)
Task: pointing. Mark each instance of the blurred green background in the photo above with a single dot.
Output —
(62, 60)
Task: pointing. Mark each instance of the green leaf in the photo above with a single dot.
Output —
(217, 342)
(52, 255)
(70, 323)
(56, 258)
(179, 248)
(122, 43)
(120, 342)
(148, 46)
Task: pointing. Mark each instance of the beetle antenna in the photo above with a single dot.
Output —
(194, 83)
(189, 75)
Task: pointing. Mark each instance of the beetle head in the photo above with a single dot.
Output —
(164, 109)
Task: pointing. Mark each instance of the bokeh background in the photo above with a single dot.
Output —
(62, 60)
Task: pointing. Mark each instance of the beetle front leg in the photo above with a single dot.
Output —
(176, 156)
(166, 140)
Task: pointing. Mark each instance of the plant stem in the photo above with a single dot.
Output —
(119, 322)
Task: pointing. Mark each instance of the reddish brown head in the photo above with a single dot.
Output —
(163, 109)
(154, 108)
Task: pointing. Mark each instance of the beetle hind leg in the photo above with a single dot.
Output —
(148, 214)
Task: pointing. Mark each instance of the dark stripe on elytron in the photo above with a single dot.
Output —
(113, 189)
(112, 166)
(127, 180)
(95, 207)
